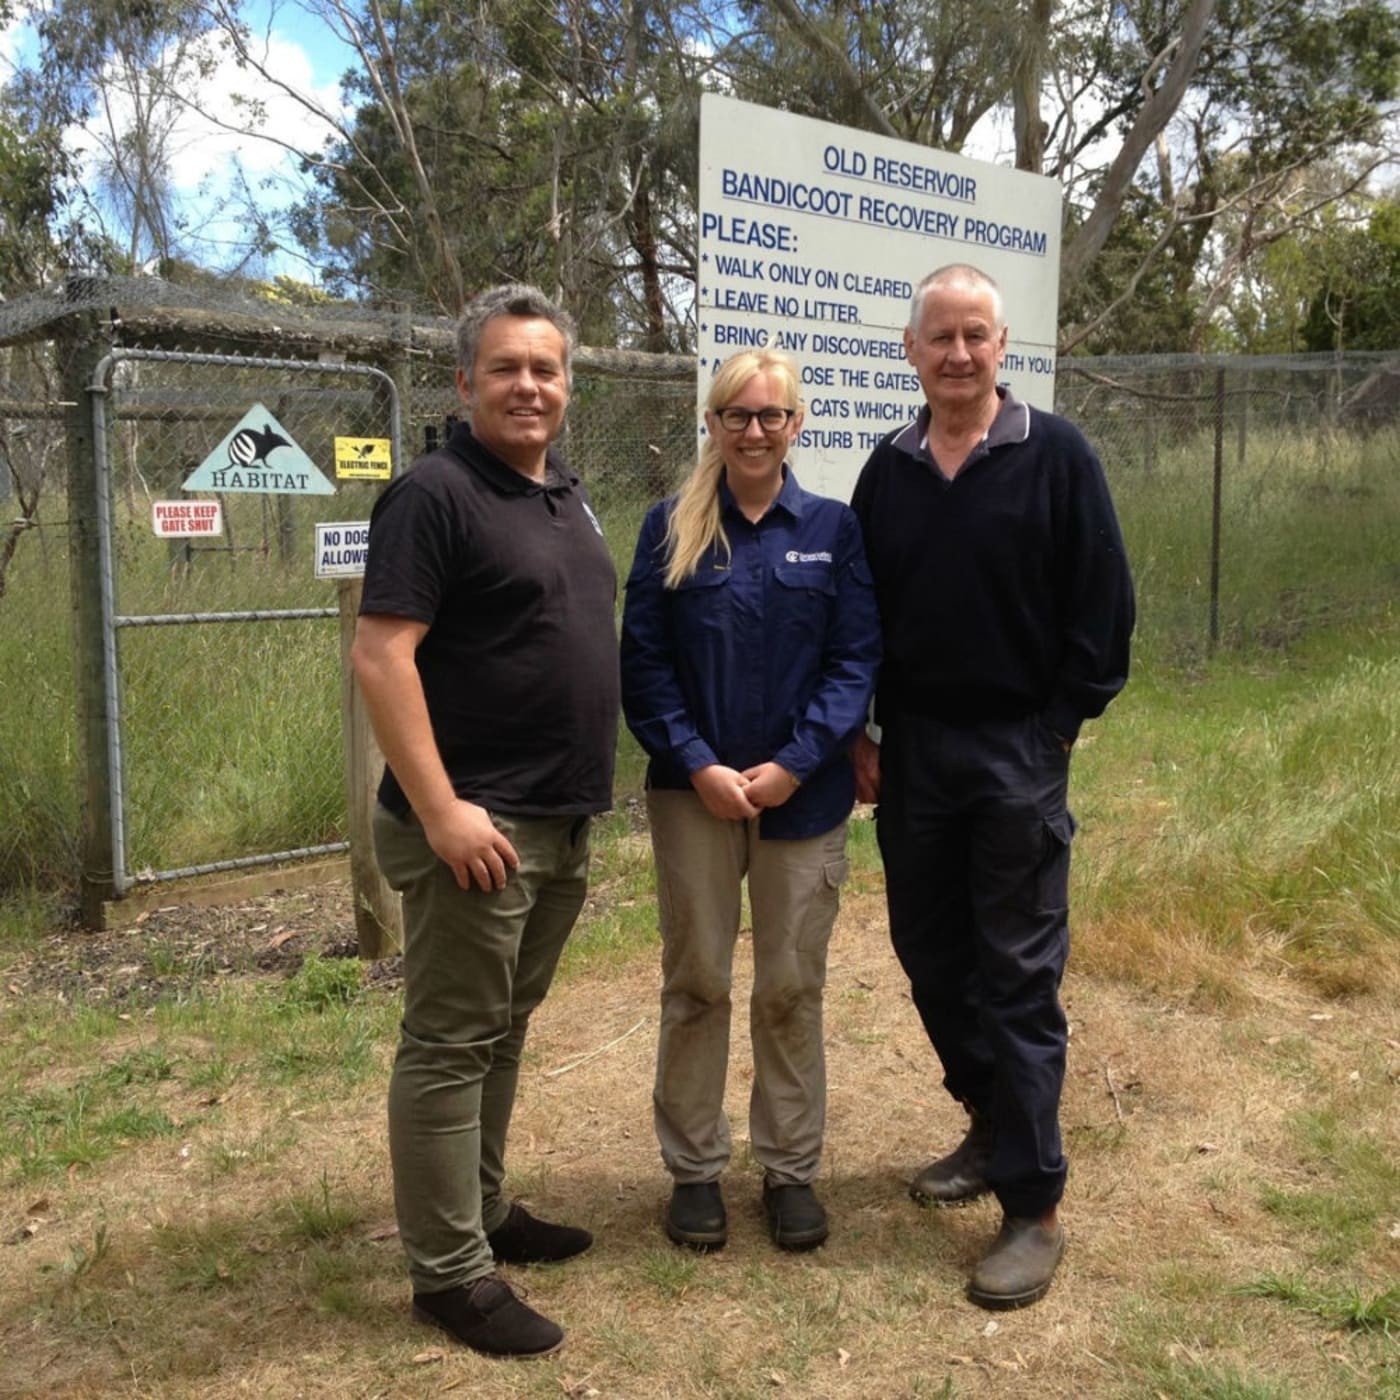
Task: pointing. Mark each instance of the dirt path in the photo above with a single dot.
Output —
(1180, 1122)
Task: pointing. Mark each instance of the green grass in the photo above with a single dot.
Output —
(336, 1280)
(317, 1218)
(337, 1046)
(1250, 807)
(1307, 538)
(47, 1130)
(1176, 1343)
(1352, 1309)
(322, 983)
(69, 1104)
(231, 1154)
(232, 731)
(84, 1259)
(207, 1256)
(1353, 1180)
(27, 913)
(620, 917)
(1174, 1340)
(1189, 1380)
(672, 1272)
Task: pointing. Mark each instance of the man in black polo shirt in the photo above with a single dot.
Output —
(487, 652)
(1006, 608)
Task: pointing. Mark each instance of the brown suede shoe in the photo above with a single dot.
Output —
(486, 1316)
(1017, 1270)
(522, 1239)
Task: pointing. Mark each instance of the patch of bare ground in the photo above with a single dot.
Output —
(189, 1266)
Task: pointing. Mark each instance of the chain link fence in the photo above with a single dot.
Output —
(271, 449)
(1260, 496)
(1260, 499)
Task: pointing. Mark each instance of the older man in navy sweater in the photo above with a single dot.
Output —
(1006, 607)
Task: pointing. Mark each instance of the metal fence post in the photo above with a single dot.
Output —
(80, 350)
(1242, 418)
(1215, 506)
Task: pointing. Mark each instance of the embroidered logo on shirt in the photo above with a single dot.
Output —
(821, 557)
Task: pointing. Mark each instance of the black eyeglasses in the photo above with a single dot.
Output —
(737, 420)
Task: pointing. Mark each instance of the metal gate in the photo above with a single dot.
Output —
(218, 744)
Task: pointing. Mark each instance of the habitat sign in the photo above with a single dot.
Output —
(812, 239)
(259, 455)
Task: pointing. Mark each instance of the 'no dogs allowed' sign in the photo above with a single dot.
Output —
(341, 547)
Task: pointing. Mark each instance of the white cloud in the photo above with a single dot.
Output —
(200, 144)
(225, 113)
(228, 118)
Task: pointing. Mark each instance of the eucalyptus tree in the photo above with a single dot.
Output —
(513, 139)
(1355, 301)
(1278, 88)
(1158, 116)
(120, 72)
(32, 185)
(555, 140)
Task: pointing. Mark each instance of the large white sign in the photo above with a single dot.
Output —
(812, 238)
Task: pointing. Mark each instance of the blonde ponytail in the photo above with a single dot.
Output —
(694, 525)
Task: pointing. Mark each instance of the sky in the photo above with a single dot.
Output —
(204, 156)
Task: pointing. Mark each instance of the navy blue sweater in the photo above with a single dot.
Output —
(1005, 591)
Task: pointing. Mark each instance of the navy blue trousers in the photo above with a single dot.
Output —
(975, 833)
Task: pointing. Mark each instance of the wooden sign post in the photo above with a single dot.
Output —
(378, 916)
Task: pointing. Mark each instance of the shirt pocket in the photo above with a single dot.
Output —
(802, 602)
(701, 602)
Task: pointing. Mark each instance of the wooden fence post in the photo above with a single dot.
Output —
(378, 916)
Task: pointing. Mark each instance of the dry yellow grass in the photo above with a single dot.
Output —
(1178, 1119)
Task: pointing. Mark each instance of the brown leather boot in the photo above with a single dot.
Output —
(1018, 1268)
(961, 1175)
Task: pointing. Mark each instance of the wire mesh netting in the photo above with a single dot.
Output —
(1259, 499)
(1277, 479)
(206, 666)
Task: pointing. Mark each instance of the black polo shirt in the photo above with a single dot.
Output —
(519, 663)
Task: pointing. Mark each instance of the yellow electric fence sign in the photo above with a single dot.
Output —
(363, 459)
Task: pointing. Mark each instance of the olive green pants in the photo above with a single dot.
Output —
(476, 964)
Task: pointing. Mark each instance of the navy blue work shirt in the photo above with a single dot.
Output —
(767, 654)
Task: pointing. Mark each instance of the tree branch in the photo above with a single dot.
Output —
(1154, 114)
(823, 47)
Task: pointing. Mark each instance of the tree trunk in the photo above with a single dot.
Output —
(644, 242)
(1153, 116)
(1031, 131)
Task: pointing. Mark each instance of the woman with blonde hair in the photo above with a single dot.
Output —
(750, 643)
